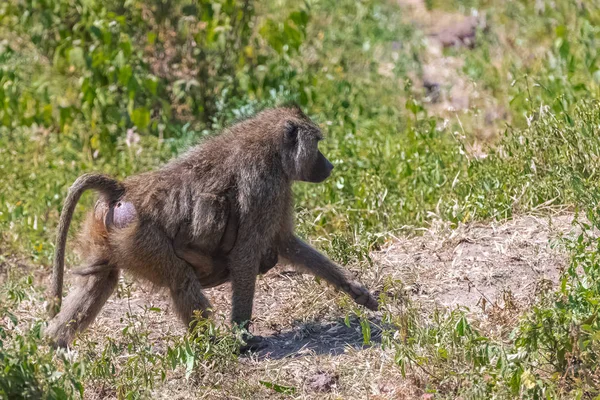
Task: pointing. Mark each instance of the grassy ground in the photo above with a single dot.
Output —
(464, 136)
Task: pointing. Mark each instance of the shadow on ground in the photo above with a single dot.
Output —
(318, 338)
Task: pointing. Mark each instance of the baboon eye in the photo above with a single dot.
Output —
(291, 132)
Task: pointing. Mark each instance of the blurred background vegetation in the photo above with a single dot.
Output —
(123, 86)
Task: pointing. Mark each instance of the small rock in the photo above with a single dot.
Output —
(432, 90)
(323, 381)
(461, 32)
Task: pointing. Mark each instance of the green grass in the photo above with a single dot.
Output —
(72, 84)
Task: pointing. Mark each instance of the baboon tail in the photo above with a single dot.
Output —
(104, 184)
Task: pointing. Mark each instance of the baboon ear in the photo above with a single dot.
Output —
(291, 133)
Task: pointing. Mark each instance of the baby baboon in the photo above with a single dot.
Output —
(221, 212)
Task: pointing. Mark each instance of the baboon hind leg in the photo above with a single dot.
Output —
(186, 292)
(81, 306)
(153, 257)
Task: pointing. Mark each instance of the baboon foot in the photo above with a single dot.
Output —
(253, 344)
(58, 334)
(362, 296)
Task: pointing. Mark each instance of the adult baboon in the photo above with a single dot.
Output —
(222, 211)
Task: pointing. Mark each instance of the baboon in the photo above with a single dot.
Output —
(220, 212)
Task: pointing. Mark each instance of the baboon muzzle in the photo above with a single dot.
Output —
(321, 169)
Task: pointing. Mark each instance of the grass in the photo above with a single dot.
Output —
(79, 85)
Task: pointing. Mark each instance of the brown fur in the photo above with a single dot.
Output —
(181, 237)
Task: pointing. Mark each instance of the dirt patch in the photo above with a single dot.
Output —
(445, 87)
(479, 265)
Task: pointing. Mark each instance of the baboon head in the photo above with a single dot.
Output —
(302, 159)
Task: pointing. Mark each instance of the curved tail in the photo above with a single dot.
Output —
(104, 184)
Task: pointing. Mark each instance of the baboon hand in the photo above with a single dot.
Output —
(362, 296)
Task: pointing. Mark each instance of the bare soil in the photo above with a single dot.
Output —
(480, 265)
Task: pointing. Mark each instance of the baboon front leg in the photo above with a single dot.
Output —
(82, 306)
(244, 270)
(299, 253)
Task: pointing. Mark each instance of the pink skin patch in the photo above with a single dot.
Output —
(124, 214)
